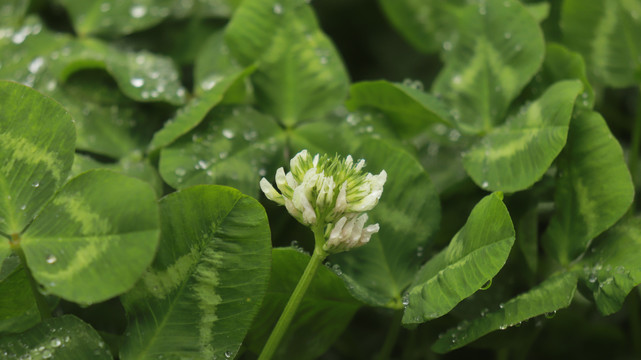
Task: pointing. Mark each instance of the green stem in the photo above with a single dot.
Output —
(297, 296)
(635, 147)
(392, 336)
(41, 302)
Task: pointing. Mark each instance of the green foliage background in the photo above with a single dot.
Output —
(132, 225)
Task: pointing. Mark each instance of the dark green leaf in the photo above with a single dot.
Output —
(498, 50)
(234, 146)
(18, 311)
(116, 17)
(553, 294)
(475, 255)
(37, 140)
(198, 298)
(593, 188)
(408, 214)
(612, 268)
(409, 109)
(94, 238)
(515, 155)
(61, 338)
(323, 315)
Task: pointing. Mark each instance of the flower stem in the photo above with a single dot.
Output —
(295, 299)
(41, 302)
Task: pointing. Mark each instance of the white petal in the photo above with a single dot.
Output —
(281, 182)
(360, 165)
(270, 192)
(341, 200)
(335, 235)
(367, 233)
(291, 182)
(297, 162)
(315, 160)
(289, 204)
(349, 161)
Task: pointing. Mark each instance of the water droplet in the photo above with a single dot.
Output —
(23, 207)
(138, 11)
(457, 79)
(104, 7)
(137, 82)
(507, 35)
(180, 172)
(485, 185)
(592, 278)
(550, 314)
(278, 9)
(229, 134)
(228, 354)
(501, 305)
(419, 251)
(454, 134)
(323, 60)
(406, 300)
(51, 259)
(36, 64)
(447, 46)
(202, 164)
(55, 342)
(503, 327)
(337, 269)
(487, 285)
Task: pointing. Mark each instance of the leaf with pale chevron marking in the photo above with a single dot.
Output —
(300, 74)
(100, 230)
(198, 298)
(37, 139)
(499, 47)
(593, 188)
(515, 155)
(473, 257)
(606, 33)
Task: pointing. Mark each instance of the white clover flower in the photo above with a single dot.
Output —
(329, 191)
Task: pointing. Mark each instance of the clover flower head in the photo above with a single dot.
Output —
(331, 191)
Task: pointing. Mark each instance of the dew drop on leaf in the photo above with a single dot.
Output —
(138, 11)
(55, 342)
(278, 9)
(51, 259)
(487, 285)
(137, 82)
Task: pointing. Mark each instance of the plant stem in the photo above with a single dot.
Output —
(635, 147)
(41, 302)
(392, 336)
(295, 299)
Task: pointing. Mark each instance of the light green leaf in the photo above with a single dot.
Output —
(515, 155)
(473, 257)
(142, 76)
(235, 146)
(107, 122)
(606, 33)
(189, 116)
(539, 11)
(12, 12)
(94, 238)
(409, 109)
(593, 188)
(563, 64)
(408, 213)
(612, 269)
(551, 295)
(60, 338)
(116, 17)
(134, 166)
(498, 50)
(426, 25)
(198, 298)
(323, 315)
(300, 74)
(37, 139)
(18, 309)
(215, 62)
